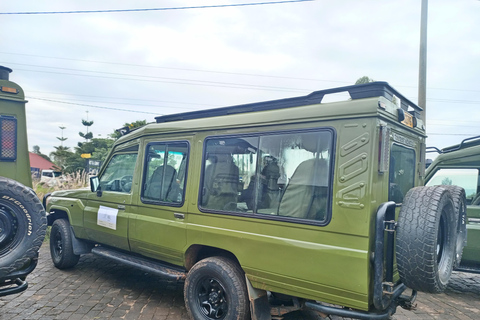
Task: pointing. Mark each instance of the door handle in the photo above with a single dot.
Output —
(179, 215)
(121, 207)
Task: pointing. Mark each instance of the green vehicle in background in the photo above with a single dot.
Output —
(22, 217)
(460, 165)
(293, 202)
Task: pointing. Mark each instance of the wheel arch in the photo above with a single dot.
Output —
(197, 252)
(57, 213)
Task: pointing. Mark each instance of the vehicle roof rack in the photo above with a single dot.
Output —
(367, 90)
(466, 143)
(125, 130)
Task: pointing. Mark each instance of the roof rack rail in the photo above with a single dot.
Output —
(368, 90)
(466, 143)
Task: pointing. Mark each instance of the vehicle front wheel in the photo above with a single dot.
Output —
(215, 288)
(61, 248)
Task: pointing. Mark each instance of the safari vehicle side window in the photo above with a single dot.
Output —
(275, 175)
(402, 172)
(165, 173)
(467, 178)
(118, 174)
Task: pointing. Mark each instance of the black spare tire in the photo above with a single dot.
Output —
(22, 226)
(426, 238)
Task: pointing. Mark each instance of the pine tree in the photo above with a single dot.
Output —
(62, 138)
(89, 135)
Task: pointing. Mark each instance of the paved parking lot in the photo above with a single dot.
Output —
(98, 288)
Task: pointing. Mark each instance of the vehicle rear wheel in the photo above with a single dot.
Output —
(61, 248)
(426, 238)
(22, 226)
(460, 204)
(215, 288)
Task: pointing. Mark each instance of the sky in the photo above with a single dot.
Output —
(119, 67)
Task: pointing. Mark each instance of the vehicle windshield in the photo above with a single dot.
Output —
(467, 178)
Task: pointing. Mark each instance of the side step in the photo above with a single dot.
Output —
(144, 264)
(467, 268)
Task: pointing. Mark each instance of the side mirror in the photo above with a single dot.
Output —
(94, 183)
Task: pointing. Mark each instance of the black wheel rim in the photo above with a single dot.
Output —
(9, 229)
(57, 244)
(440, 240)
(211, 298)
(443, 263)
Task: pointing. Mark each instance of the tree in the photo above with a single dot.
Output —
(128, 126)
(62, 138)
(61, 157)
(447, 181)
(102, 148)
(36, 150)
(364, 80)
(89, 135)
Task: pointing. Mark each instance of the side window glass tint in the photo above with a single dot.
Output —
(401, 172)
(165, 174)
(118, 174)
(280, 175)
(468, 179)
(229, 166)
(305, 180)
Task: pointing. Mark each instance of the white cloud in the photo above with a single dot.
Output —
(335, 42)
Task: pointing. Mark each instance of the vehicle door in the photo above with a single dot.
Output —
(108, 209)
(157, 229)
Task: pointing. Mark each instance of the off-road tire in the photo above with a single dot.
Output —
(215, 288)
(22, 226)
(426, 238)
(61, 248)
(460, 204)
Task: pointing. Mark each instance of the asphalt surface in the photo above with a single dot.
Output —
(98, 288)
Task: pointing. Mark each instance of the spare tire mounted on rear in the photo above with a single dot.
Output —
(22, 226)
(425, 243)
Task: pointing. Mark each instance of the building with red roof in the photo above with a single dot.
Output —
(38, 163)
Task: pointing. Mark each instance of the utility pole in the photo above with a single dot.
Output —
(422, 74)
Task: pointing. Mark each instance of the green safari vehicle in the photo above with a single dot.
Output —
(294, 201)
(22, 218)
(460, 165)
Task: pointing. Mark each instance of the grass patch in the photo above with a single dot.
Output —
(70, 181)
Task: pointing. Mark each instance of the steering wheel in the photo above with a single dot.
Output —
(126, 183)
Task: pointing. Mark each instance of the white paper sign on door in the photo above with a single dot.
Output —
(107, 217)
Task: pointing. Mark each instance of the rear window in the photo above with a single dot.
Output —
(401, 172)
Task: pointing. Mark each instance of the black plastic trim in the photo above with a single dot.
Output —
(44, 200)
(151, 266)
(368, 90)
